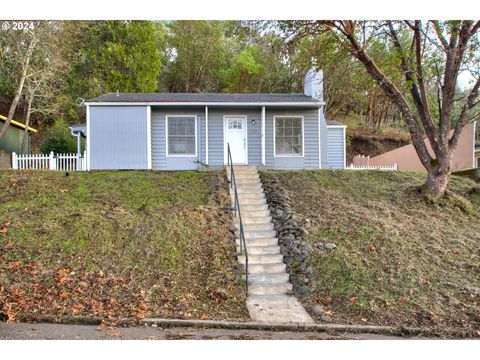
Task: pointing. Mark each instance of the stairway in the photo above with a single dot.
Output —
(269, 293)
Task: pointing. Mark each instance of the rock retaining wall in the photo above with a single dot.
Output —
(291, 234)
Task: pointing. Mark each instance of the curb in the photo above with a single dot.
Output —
(251, 325)
(234, 325)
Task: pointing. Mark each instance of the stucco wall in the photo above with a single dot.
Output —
(406, 157)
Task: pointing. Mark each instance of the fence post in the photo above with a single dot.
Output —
(51, 161)
(14, 161)
(84, 161)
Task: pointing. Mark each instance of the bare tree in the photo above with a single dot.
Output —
(18, 47)
(451, 47)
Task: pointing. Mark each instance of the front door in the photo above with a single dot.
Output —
(236, 135)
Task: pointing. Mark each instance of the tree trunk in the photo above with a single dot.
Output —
(25, 148)
(18, 92)
(437, 182)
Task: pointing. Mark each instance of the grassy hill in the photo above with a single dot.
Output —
(400, 259)
(116, 244)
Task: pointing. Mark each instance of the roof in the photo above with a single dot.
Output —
(334, 123)
(205, 98)
(17, 124)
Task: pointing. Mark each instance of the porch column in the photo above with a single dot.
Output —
(263, 135)
(206, 135)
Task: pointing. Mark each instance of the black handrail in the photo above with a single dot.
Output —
(236, 208)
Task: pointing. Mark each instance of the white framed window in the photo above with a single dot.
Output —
(288, 136)
(181, 135)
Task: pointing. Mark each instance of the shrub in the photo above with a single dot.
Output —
(59, 139)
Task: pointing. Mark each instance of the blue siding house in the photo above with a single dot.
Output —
(180, 131)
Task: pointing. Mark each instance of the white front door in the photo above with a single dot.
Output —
(235, 128)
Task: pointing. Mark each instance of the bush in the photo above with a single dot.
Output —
(59, 139)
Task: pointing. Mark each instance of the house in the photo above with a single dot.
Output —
(406, 157)
(12, 141)
(186, 131)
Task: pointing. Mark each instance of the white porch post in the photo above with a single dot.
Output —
(206, 135)
(88, 139)
(319, 138)
(263, 135)
(149, 137)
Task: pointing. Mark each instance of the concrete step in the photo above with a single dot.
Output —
(261, 250)
(250, 228)
(255, 213)
(242, 167)
(247, 218)
(258, 234)
(242, 190)
(254, 207)
(271, 278)
(248, 182)
(246, 197)
(270, 289)
(259, 242)
(244, 202)
(248, 202)
(266, 268)
(244, 175)
(261, 259)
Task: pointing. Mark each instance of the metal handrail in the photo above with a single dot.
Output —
(236, 208)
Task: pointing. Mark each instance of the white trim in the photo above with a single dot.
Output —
(225, 152)
(263, 135)
(319, 139)
(336, 126)
(474, 138)
(166, 136)
(344, 148)
(149, 137)
(88, 137)
(187, 103)
(303, 138)
(206, 135)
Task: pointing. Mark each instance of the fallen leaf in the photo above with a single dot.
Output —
(3, 230)
(117, 334)
(403, 299)
(9, 244)
(353, 299)
(63, 190)
(328, 312)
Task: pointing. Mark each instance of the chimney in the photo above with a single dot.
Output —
(313, 84)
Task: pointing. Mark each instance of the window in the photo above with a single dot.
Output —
(288, 136)
(235, 124)
(181, 135)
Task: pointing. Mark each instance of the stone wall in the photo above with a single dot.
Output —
(291, 234)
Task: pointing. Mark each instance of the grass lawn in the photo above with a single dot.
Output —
(400, 259)
(116, 244)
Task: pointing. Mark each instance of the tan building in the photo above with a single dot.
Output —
(406, 157)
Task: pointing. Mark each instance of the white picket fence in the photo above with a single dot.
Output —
(372, 167)
(62, 162)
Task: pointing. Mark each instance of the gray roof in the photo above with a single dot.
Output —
(200, 97)
(334, 122)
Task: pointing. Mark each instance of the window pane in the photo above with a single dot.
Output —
(181, 135)
(288, 136)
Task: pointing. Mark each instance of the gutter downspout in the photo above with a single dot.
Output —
(78, 135)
